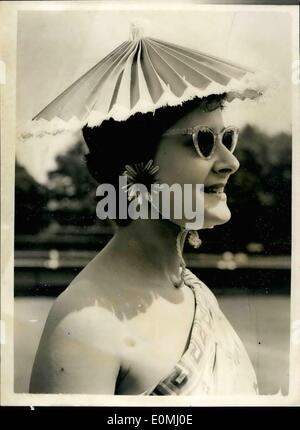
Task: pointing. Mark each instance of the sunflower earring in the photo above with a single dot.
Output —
(141, 174)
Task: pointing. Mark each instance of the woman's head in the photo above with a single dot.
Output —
(142, 137)
(180, 162)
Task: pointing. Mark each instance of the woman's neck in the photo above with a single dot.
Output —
(148, 246)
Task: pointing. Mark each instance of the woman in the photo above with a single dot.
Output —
(135, 320)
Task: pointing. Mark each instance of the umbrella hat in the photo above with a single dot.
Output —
(144, 74)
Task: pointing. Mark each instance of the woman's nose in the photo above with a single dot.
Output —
(225, 161)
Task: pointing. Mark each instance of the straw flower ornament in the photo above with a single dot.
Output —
(140, 174)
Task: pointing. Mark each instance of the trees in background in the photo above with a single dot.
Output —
(31, 214)
(72, 190)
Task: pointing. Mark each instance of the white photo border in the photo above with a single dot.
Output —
(8, 33)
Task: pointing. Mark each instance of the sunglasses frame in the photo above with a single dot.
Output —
(194, 131)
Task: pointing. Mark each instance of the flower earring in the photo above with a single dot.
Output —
(139, 174)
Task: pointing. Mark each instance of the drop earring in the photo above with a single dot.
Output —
(194, 239)
(180, 239)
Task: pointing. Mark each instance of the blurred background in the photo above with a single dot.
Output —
(245, 262)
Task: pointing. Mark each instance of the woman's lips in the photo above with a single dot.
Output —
(216, 190)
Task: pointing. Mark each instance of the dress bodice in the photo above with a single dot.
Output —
(215, 361)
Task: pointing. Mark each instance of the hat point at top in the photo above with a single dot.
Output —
(144, 74)
(137, 30)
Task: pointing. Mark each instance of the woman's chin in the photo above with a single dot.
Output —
(217, 215)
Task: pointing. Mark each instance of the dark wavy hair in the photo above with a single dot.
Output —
(114, 144)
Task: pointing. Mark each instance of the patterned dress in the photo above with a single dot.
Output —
(215, 361)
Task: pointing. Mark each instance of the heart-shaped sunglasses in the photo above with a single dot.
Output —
(205, 138)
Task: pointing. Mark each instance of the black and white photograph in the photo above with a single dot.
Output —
(149, 178)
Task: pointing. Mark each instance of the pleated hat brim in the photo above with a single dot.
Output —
(144, 75)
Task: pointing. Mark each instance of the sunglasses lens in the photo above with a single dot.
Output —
(229, 139)
(205, 142)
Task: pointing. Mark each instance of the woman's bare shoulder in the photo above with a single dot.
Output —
(80, 350)
(88, 298)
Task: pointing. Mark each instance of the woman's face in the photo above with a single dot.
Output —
(179, 163)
